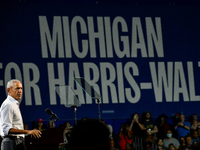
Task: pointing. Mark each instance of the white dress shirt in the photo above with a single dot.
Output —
(10, 117)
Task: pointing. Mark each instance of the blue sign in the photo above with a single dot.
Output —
(136, 58)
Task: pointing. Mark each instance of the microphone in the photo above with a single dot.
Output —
(48, 111)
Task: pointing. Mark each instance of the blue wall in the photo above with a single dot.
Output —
(138, 57)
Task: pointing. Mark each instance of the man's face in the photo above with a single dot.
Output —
(189, 140)
(182, 140)
(169, 132)
(16, 90)
(148, 115)
(182, 117)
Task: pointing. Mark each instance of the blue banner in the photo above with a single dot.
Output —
(137, 58)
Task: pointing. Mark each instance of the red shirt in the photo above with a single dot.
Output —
(122, 141)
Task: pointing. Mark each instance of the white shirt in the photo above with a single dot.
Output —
(10, 117)
(110, 130)
(174, 141)
(65, 138)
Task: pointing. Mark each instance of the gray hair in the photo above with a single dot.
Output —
(11, 83)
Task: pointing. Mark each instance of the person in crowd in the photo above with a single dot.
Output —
(89, 135)
(66, 135)
(67, 131)
(84, 119)
(188, 142)
(149, 125)
(182, 127)
(149, 137)
(148, 145)
(194, 122)
(125, 137)
(182, 143)
(195, 145)
(195, 137)
(40, 125)
(170, 140)
(172, 147)
(109, 128)
(51, 124)
(163, 126)
(160, 145)
(137, 127)
(198, 130)
(11, 122)
(112, 145)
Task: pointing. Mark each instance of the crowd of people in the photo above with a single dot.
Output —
(89, 134)
(156, 134)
